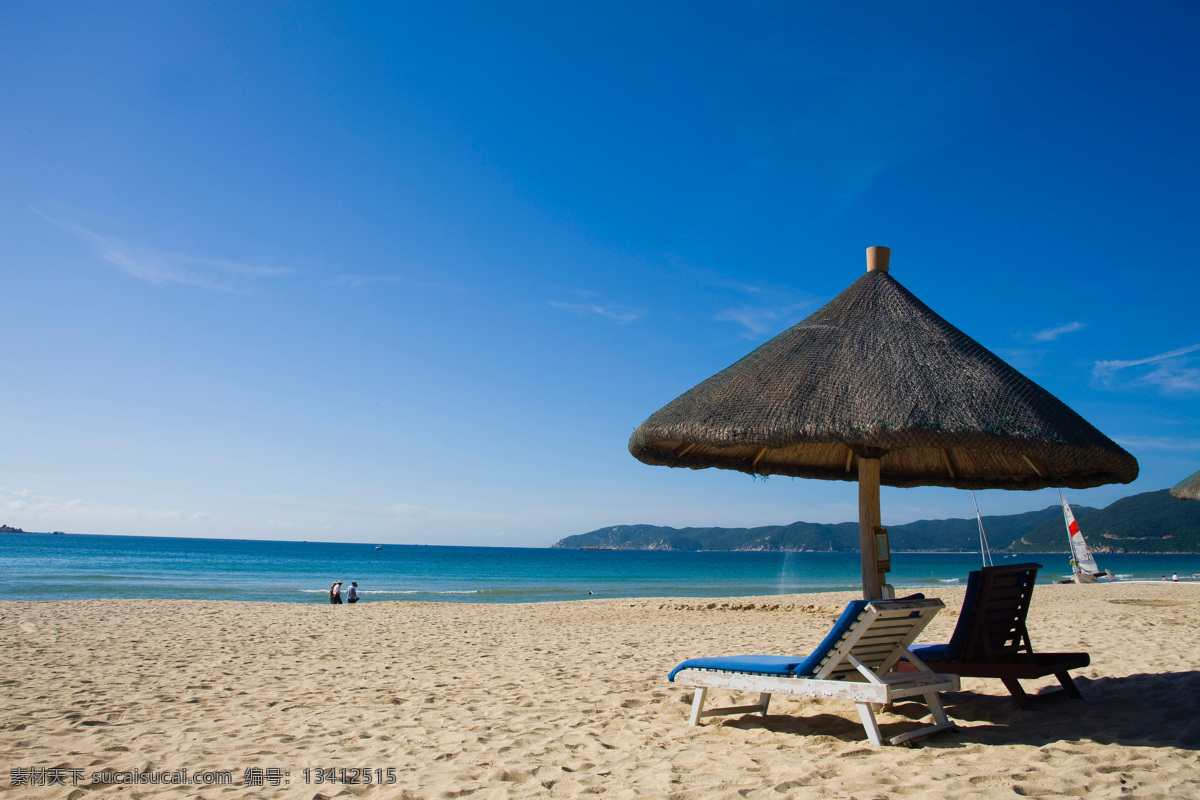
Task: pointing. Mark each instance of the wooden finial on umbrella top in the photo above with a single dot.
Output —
(877, 259)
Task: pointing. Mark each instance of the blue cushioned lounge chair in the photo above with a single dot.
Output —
(856, 662)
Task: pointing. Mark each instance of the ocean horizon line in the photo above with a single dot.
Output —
(373, 544)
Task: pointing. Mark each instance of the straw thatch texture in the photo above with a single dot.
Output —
(1188, 488)
(878, 374)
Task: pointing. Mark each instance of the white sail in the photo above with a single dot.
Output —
(1082, 557)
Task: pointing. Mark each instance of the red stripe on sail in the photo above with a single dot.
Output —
(1073, 527)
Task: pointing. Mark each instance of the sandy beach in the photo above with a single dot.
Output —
(566, 699)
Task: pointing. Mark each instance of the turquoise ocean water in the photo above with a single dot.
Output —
(39, 566)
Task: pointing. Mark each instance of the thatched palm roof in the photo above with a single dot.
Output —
(876, 373)
(1188, 488)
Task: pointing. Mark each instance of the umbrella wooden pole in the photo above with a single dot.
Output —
(868, 521)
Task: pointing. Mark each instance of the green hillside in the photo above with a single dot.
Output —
(797, 536)
(951, 535)
(1153, 522)
(962, 535)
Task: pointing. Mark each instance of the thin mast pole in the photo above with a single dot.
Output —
(985, 550)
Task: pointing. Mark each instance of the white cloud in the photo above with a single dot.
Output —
(1105, 367)
(408, 511)
(1021, 358)
(1157, 443)
(354, 281)
(1050, 334)
(1174, 379)
(760, 322)
(346, 279)
(161, 268)
(28, 509)
(1173, 372)
(617, 314)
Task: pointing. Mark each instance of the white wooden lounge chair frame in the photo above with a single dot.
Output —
(858, 669)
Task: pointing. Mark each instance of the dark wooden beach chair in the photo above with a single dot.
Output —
(991, 640)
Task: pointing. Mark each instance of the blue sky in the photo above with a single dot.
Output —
(415, 272)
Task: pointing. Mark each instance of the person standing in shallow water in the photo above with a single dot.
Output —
(335, 593)
(352, 594)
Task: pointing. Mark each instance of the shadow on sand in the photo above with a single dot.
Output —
(1141, 710)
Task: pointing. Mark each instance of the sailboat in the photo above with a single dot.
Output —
(1083, 565)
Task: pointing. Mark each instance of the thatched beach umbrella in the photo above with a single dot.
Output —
(1188, 488)
(876, 387)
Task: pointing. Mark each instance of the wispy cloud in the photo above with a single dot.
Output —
(1174, 379)
(408, 511)
(1174, 372)
(617, 314)
(1175, 421)
(355, 281)
(50, 512)
(1105, 367)
(759, 322)
(706, 276)
(1157, 443)
(161, 267)
(1050, 334)
(1022, 358)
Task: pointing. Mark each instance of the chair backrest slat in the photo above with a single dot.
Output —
(890, 626)
(996, 622)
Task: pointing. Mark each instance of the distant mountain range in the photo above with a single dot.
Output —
(1153, 522)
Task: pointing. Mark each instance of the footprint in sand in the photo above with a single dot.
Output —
(1158, 603)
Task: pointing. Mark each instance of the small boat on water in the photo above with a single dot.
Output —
(1084, 568)
(378, 547)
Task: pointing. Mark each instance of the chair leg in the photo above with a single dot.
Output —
(1018, 693)
(697, 706)
(940, 722)
(935, 709)
(867, 715)
(764, 700)
(1068, 684)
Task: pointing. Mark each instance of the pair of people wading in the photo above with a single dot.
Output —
(335, 593)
